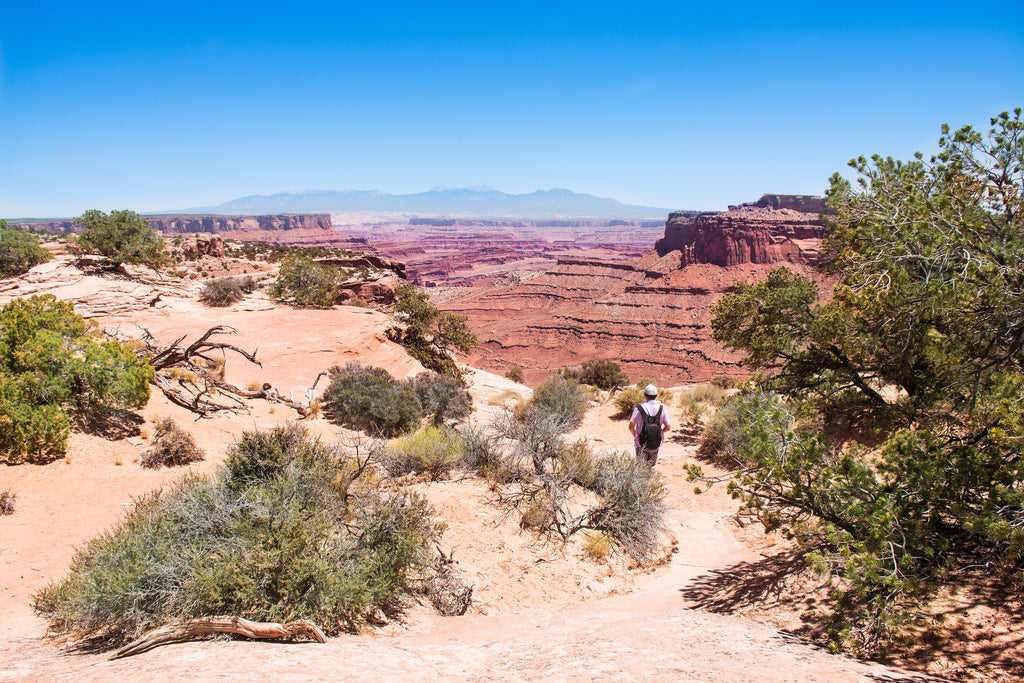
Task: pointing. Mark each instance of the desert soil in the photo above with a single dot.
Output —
(541, 611)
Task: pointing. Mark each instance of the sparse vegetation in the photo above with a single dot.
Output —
(921, 339)
(304, 282)
(565, 400)
(55, 367)
(121, 237)
(630, 397)
(370, 399)
(516, 374)
(172, 446)
(288, 529)
(429, 335)
(443, 397)
(434, 451)
(221, 292)
(603, 374)
(19, 251)
(8, 502)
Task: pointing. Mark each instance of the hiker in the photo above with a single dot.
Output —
(648, 425)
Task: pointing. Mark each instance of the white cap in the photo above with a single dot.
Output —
(651, 390)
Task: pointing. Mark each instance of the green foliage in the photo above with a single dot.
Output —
(19, 251)
(603, 374)
(222, 292)
(429, 335)
(55, 366)
(371, 399)
(302, 281)
(444, 398)
(565, 400)
(434, 451)
(274, 536)
(120, 236)
(929, 302)
(172, 446)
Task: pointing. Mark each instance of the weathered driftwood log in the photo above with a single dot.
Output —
(179, 633)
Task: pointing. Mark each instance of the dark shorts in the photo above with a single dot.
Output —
(649, 455)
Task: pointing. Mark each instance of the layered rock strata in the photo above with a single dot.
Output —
(652, 315)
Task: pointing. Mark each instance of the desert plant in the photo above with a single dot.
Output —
(429, 335)
(56, 367)
(430, 450)
(8, 502)
(302, 281)
(444, 398)
(630, 397)
(121, 236)
(603, 374)
(356, 302)
(564, 399)
(172, 446)
(274, 536)
(598, 544)
(221, 292)
(19, 251)
(632, 508)
(370, 399)
(724, 381)
(515, 373)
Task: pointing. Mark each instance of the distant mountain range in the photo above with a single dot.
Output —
(444, 201)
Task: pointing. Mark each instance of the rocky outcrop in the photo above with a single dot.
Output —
(744, 234)
(367, 261)
(652, 315)
(204, 245)
(234, 226)
(378, 292)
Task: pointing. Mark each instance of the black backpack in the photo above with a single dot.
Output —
(650, 431)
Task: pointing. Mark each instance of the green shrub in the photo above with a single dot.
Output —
(19, 251)
(431, 450)
(356, 302)
(55, 366)
(443, 397)
(578, 462)
(302, 281)
(121, 236)
(172, 446)
(563, 399)
(516, 374)
(272, 537)
(603, 374)
(429, 335)
(372, 400)
(221, 292)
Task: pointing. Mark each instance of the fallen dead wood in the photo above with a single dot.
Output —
(190, 630)
(201, 391)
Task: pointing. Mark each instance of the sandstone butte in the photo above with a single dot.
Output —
(652, 315)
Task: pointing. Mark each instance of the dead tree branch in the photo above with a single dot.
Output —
(190, 630)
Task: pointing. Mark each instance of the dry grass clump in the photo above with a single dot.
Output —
(172, 446)
(630, 397)
(434, 451)
(516, 374)
(8, 502)
(598, 544)
(221, 292)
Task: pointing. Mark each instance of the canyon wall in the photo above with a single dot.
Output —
(652, 315)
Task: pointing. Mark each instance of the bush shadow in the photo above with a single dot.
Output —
(113, 424)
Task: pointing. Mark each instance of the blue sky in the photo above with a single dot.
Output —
(154, 106)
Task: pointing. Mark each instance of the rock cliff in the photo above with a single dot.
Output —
(652, 315)
(745, 234)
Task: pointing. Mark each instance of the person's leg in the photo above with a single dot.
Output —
(651, 454)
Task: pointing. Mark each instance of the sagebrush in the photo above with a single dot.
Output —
(282, 532)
